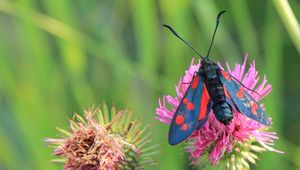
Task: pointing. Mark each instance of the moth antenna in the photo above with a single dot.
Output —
(175, 33)
(213, 37)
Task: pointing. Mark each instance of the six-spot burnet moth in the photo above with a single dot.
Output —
(214, 89)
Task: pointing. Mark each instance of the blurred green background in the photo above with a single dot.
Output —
(60, 56)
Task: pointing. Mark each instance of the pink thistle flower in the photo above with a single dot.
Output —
(239, 138)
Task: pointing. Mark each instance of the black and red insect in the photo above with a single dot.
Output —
(214, 89)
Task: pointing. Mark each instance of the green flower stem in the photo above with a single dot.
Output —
(289, 20)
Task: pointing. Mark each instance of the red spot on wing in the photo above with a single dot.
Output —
(190, 106)
(179, 120)
(240, 93)
(185, 100)
(203, 103)
(254, 107)
(184, 127)
(226, 75)
(195, 82)
(226, 92)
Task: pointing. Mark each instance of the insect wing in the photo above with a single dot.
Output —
(242, 100)
(188, 113)
(205, 108)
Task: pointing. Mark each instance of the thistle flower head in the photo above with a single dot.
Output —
(97, 141)
(237, 142)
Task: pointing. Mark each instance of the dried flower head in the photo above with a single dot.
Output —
(99, 142)
(237, 142)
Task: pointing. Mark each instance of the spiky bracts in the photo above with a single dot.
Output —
(104, 140)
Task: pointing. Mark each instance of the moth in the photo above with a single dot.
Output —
(211, 88)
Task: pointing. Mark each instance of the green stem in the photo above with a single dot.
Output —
(289, 20)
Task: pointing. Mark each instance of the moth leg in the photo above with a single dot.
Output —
(195, 73)
(244, 85)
